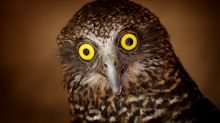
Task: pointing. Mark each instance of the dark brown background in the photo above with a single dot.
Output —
(30, 85)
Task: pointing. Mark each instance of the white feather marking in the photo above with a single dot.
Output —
(124, 109)
(93, 79)
(96, 117)
(112, 119)
(159, 101)
(156, 114)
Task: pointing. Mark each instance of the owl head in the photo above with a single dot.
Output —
(113, 46)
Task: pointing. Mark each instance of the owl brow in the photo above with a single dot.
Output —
(92, 38)
(142, 27)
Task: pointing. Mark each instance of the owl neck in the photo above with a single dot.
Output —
(149, 99)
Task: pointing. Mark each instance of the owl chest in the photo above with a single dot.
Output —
(127, 108)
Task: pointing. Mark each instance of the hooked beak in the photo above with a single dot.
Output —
(110, 70)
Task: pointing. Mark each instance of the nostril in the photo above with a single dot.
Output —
(105, 66)
(115, 63)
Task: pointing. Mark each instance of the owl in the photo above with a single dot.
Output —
(119, 66)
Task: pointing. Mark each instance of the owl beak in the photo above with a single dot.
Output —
(110, 71)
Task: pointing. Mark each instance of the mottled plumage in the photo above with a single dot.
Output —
(148, 84)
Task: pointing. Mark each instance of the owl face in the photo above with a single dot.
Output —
(112, 48)
(108, 60)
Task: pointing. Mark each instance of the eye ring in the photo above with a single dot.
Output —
(86, 51)
(128, 41)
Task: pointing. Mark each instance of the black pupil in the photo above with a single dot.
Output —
(129, 41)
(86, 52)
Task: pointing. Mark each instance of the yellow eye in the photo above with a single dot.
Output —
(128, 41)
(86, 52)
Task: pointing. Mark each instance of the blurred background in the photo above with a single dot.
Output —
(31, 75)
